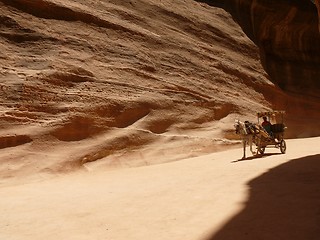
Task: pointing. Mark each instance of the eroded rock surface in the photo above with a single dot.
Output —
(111, 81)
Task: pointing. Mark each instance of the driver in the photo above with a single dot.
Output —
(266, 125)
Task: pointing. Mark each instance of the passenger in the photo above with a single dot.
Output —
(267, 125)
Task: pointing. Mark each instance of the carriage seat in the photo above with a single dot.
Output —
(277, 128)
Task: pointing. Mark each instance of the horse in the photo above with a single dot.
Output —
(247, 131)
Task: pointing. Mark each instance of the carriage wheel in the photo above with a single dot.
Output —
(261, 150)
(283, 147)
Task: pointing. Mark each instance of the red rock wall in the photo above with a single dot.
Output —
(317, 2)
(287, 34)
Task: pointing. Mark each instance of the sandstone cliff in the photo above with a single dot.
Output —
(83, 81)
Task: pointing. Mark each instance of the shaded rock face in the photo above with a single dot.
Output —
(287, 34)
(317, 3)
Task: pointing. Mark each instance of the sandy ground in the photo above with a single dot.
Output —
(216, 196)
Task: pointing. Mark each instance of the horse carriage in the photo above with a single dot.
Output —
(263, 135)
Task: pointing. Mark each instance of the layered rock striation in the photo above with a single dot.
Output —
(108, 82)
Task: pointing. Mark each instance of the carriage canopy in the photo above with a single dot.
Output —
(270, 113)
(276, 114)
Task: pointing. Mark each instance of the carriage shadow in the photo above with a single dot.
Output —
(255, 157)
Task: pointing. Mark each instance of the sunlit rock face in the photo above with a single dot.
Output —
(112, 81)
(287, 34)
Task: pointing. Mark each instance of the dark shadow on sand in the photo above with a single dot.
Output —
(283, 204)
